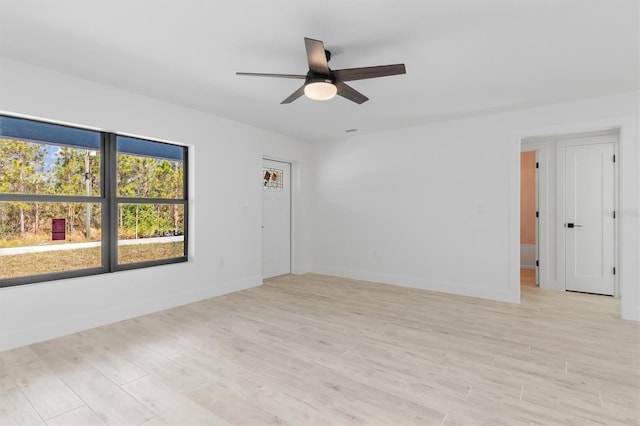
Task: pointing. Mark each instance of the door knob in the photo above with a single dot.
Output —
(572, 225)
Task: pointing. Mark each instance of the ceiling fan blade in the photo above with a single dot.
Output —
(295, 95)
(351, 74)
(316, 56)
(350, 93)
(258, 74)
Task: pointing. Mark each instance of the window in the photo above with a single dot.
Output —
(79, 202)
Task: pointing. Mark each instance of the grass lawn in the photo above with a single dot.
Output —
(67, 260)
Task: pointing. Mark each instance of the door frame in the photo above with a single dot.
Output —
(291, 207)
(551, 244)
(537, 222)
(576, 140)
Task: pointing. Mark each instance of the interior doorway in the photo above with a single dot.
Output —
(575, 243)
(276, 218)
(529, 218)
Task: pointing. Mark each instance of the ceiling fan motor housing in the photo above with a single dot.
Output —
(314, 77)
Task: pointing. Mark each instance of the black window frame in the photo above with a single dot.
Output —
(108, 200)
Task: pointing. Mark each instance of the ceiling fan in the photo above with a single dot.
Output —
(322, 83)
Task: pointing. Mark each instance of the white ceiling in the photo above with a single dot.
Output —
(463, 57)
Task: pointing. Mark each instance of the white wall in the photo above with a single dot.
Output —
(225, 206)
(437, 206)
(528, 256)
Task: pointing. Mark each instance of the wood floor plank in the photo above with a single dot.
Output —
(106, 398)
(318, 350)
(233, 408)
(46, 392)
(83, 416)
(170, 405)
(15, 408)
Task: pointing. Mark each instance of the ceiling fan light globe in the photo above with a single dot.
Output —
(320, 90)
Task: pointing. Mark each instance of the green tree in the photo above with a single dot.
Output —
(168, 184)
(136, 179)
(22, 171)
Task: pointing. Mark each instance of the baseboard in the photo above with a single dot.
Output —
(551, 284)
(301, 269)
(632, 314)
(50, 330)
(502, 295)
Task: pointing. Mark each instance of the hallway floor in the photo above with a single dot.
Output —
(528, 278)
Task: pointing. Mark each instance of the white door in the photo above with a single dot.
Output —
(276, 218)
(589, 218)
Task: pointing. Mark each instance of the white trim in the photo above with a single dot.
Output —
(513, 243)
(502, 295)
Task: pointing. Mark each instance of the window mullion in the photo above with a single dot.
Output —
(111, 233)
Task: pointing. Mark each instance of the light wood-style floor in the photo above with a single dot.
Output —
(528, 278)
(317, 350)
